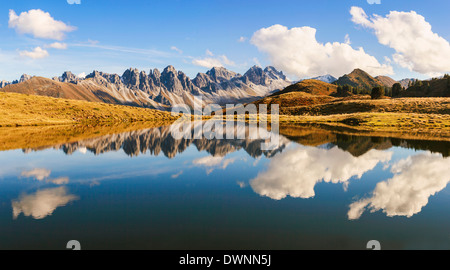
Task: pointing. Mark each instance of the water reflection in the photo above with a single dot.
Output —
(415, 180)
(305, 157)
(42, 203)
(41, 174)
(159, 140)
(296, 172)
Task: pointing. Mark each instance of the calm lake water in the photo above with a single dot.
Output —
(146, 190)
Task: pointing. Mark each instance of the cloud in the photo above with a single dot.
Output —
(44, 174)
(347, 40)
(241, 184)
(57, 45)
(296, 172)
(71, 2)
(37, 53)
(175, 176)
(209, 53)
(417, 47)
(42, 203)
(38, 174)
(415, 180)
(173, 48)
(212, 163)
(242, 39)
(38, 23)
(59, 181)
(371, 2)
(148, 52)
(297, 52)
(82, 76)
(211, 61)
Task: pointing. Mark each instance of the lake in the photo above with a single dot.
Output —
(318, 189)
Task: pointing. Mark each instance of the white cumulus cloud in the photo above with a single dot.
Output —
(297, 52)
(415, 179)
(296, 172)
(38, 23)
(57, 45)
(37, 53)
(417, 47)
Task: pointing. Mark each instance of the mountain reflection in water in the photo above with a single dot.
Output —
(159, 140)
(314, 177)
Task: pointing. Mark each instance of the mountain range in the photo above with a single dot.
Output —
(160, 90)
(163, 90)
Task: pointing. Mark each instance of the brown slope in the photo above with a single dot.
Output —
(386, 81)
(359, 78)
(87, 90)
(313, 87)
(50, 88)
(305, 93)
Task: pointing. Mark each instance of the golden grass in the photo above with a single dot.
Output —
(397, 105)
(433, 125)
(31, 110)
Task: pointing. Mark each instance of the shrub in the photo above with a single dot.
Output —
(377, 92)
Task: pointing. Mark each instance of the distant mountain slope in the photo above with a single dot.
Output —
(46, 87)
(360, 79)
(405, 83)
(313, 87)
(305, 93)
(386, 81)
(325, 78)
(157, 89)
(87, 90)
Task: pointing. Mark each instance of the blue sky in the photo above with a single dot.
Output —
(192, 35)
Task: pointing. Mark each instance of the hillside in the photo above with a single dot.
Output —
(87, 90)
(47, 87)
(305, 93)
(30, 110)
(361, 79)
(432, 88)
(398, 105)
(386, 81)
(313, 87)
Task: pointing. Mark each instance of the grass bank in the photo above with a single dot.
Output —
(29, 110)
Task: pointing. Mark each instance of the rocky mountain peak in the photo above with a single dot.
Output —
(220, 74)
(256, 75)
(274, 74)
(169, 69)
(4, 83)
(131, 78)
(155, 73)
(94, 74)
(68, 77)
(24, 78)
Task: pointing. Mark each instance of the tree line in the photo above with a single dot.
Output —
(395, 91)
